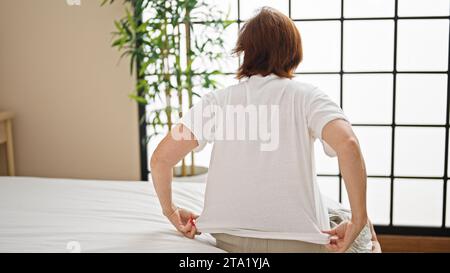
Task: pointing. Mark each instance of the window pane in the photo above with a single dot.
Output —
(320, 52)
(307, 9)
(368, 98)
(369, 8)
(421, 98)
(419, 151)
(417, 202)
(378, 200)
(330, 84)
(324, 163)
(368, 45)
(228, 7)
(376, 148)
(158, 104)
(423, 7)
(227, 63)
(447, 214)
(248, 8)
(422, 45)
(329, 186)
(230, 63)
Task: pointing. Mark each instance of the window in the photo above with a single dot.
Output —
(386, 63)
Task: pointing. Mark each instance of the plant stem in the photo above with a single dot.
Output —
(166, 71)
(187, 25)
(176, 42)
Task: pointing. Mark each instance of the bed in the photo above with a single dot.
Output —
(68, 215)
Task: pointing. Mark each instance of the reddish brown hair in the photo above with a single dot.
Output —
(271, 43)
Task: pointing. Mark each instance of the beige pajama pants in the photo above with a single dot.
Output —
(231, 243)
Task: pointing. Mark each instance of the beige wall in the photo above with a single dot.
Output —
(60, 76)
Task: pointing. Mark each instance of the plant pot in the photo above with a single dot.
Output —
(198, 170)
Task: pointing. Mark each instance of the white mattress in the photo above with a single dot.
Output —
(48, 215)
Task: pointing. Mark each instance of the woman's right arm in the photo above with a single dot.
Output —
(339, 135)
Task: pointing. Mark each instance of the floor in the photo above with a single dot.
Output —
(399, 243)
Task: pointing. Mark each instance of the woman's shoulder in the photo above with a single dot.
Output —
(218, 95)
(302, 89)
(301, 86)
(222, 93)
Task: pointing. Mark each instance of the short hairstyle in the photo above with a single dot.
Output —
(271, 43)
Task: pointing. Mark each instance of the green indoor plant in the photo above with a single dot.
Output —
(164, 40)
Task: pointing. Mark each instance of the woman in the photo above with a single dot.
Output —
(261, 193)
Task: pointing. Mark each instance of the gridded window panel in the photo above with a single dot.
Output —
(329, 186)
(368, 98)
(378, 200)
(422, 45)
(313, 9)
(421, 98)
(324, 163)
(423, 7)
(376, 148)
(369, 8)
(368, 45)
(418, 202)
(419, 151)
(320, 52)
(329, 84)
(248, 8)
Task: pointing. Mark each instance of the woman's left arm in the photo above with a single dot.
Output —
(174, 147)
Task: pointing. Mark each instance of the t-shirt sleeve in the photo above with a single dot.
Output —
(320, 111)
(199, 119)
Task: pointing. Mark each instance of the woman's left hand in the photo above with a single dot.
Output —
(343, 235)
(376, 247)
(184, 221)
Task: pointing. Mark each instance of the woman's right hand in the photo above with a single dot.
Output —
(184, 221)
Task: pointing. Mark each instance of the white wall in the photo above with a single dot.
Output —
(60, 76)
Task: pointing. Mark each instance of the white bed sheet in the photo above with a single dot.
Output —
(44, 215)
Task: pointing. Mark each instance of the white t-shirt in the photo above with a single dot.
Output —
(262, 180)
